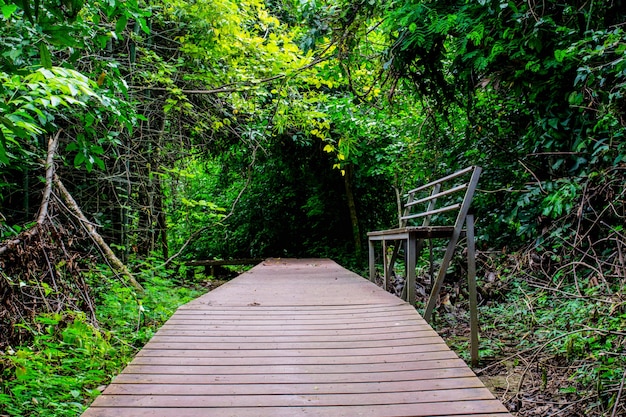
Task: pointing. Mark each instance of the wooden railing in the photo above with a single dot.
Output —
(443, 207)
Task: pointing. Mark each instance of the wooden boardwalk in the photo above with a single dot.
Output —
(296, 338)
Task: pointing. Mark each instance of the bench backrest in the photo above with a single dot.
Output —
(446, 200)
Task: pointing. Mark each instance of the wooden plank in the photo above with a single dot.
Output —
(296, 338)
(284, 325)
(357, 310)
(300, 336)
(291, 400)
(209, 337)
(441, 180)
(293, 389)
(379, 411)
(292, 369)
(279, 331)
(436, 195)
(199, 351)
(204, 344)
(381, 377)
(291, 321)
(292, 360)
(457, 408)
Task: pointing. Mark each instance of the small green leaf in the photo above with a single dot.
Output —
(3, 153)
(143, 25)
(99, 163)
(8, 10)
(120, 26)
(20, 372)
(79, 159)
(45, 55)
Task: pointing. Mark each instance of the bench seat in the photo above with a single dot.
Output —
(420, 232)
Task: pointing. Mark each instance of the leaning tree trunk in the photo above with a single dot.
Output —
(108, 253)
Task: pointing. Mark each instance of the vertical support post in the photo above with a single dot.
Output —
(386, 266)
(471, 284)
(372, 260)
(411, 259)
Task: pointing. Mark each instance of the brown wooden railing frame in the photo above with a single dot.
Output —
(413, 238)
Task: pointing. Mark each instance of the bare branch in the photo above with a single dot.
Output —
(53, 143)
(111, 257)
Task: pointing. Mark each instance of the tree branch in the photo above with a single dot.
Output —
(53, 143)
(231, 88)
(108, 253)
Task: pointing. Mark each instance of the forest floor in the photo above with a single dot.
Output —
(547, 349)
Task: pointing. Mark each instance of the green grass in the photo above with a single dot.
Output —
(70, 359)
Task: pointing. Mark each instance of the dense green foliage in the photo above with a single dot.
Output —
(69, 359)
(231, 128)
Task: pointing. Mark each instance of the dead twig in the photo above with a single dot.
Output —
(538, 351)
(619, 395)
(534, 176)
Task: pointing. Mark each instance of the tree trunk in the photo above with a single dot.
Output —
(354, 220)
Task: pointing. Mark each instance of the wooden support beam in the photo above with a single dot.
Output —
(220, 262)
(471, 284)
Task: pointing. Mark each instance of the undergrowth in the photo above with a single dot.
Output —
(71, 358)
(549, 346)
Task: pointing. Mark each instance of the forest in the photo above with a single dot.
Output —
(136, 136)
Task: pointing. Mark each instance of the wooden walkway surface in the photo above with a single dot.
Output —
(296, 338)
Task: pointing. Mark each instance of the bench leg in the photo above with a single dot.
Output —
(372, 260)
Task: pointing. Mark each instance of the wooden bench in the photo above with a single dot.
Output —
(441, 207)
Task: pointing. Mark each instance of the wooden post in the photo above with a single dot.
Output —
(372, 260)
(411, 260)
(471, 284)
(386, 266)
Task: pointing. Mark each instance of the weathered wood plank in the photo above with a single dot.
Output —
(203, 343)
(299, 335)
(381, 377)
(296, 338)
(458, 408)
(293, 360)
(295, 389)
(291, 400)
(199, 352)
(292, 326)
(292, 369)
